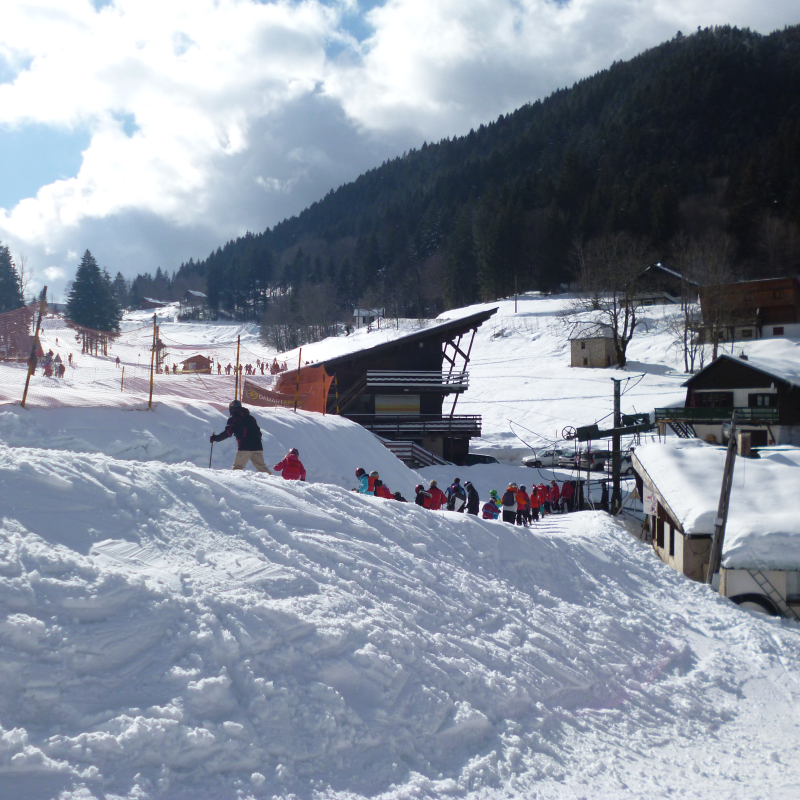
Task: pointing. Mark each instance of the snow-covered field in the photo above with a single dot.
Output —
(173, 631)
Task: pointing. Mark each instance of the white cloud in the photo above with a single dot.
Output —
(54, 274)
(241, 116)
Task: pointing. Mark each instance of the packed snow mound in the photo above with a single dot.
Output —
(763, 527)
(173, 631)
(331, 447)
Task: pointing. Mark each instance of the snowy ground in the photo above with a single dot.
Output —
(173, 631)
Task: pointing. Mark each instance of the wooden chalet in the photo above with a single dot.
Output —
(197, 363)
(765, 393)
(660, 285)
(406, 390)
(751, 309)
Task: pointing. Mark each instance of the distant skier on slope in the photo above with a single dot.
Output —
(244, 427)
(291, 467)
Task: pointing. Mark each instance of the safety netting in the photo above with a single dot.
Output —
(77, 366)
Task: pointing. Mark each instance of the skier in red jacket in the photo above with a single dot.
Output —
(438, 497)
(291, 467)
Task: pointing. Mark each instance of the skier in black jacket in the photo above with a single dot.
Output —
(244, 427)
(473, 501)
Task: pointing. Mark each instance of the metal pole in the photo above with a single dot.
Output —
(236, 382)
(616, 493)
(152, 361)
(35, 347)
(122, 381)
(715, 558)
(211, 453)
(515, 294)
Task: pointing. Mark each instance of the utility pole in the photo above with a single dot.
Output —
(616, 493)
(34, 346)
(715, 559)
(153, 359)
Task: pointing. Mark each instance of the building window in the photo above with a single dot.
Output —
(777, 331)
(671, 540)
(762, 400)
(778, 294)
(713, 399)
(583, 345)
(747, 333)
(585, 362)
(749, 298)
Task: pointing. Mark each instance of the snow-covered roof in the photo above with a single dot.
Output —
(195, 293)
(364, 312)
(157, 302)
(784, 369)
(763, 527)
(591, 330)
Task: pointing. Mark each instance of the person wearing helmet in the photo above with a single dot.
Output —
(244, 427)
(473, 500)
(510, 503)
(456, 496)
(523, 506)
(363, 481)
(491, 508)
(421, 497)
(291, 467)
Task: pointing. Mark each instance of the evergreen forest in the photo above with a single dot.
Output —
(694, 142)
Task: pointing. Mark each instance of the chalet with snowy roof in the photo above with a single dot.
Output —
(679, 482)
(197, 363)
(660, 285)
(764, 393)
(751, 309)
(406, 390)
(147, 303)
(192, 298)
(592, 346)
(364, 317)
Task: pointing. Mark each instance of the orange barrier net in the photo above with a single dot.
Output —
(310, 392)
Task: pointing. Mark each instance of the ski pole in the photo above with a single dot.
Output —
(211, 454)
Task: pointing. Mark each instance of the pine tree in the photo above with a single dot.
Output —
(10, 287)
(92, 301)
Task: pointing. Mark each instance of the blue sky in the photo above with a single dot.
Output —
(151, 132)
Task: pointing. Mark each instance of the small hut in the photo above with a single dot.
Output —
(197, 363)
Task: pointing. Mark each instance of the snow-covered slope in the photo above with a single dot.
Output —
(331, 448)
(176, 632)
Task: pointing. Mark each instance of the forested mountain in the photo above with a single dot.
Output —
(694, 139)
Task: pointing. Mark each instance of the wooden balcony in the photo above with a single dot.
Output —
(712, 416)
(415, 426)
(426, 381)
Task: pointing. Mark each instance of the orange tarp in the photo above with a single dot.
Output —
(312, 392)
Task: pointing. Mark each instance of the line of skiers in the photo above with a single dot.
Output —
(516, 505)
(372, 485)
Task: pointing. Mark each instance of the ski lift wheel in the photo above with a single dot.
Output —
(569, 432)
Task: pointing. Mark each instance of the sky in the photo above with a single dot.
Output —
(152, 131)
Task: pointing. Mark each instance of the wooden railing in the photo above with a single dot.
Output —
(417, 425)
(408, 379)
(412, 454)
(764, 416)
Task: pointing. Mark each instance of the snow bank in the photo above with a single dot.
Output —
(331, 447)
(171, 631)
(763, 527)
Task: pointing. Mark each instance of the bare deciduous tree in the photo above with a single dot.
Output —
(608, 303)
(706, 261)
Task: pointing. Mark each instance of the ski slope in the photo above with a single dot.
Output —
(173, 631)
